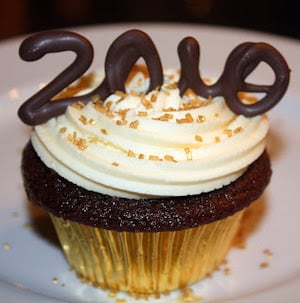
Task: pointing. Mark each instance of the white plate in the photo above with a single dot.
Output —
(29, 255)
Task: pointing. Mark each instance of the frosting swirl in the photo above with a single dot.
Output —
(139, 144)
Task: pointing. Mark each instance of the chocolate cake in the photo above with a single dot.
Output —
(69, 201)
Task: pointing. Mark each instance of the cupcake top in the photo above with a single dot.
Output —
(139, 144)
(166, 132)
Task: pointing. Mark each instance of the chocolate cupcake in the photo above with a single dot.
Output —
(147, 171)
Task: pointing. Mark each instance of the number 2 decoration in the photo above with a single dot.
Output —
(134, 44)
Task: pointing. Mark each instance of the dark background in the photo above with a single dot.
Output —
(19, 17)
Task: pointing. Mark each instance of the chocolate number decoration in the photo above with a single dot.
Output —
(240, 64)
(127, 49)
(120, 58)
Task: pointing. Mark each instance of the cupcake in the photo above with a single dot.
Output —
(145, 171)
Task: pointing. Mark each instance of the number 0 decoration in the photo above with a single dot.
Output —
(134, 44)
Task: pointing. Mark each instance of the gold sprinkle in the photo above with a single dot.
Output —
(116, 164)
(141, 156)
(187, 119)
(146, 102)
(63, 130)
(108, 105)
(268, 253)
(78, 105)
(70, 138)
(189, 92)
(80, 143)
(188, 153)
(165, 117)
(248, 98)
(201, 119)
(195, 103)
(198, 102)
(238, 129)
(110, 115)
(121, 94)
(104, 131)
(153, 157)
(119, 300)
(81, 104)
(96, 99)
(92, 121)
(166, 92)
(134, 124)
(142, 114)
(186, 106)
(121, 122)
(208, 101)
(217, 139)
(130, 153)
(198, 138)
(99, 107)
(189, 296)
(6, 246)
(169, 109)
(172, 85)
(171, 77)
(228, 132)
(55, 280)
(83, 119)
(168, 116)
(122, 113)
(169, 158)
(133, 93)
(153, 98)
(217, 115)
(264, 265)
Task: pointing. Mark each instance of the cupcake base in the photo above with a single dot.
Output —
(145, 263)
(65, 199)
(144, 246)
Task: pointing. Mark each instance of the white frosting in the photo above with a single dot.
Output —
(156, 145)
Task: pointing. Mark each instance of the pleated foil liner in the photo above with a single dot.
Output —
(145, 263)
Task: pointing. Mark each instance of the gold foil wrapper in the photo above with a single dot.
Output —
(145, 263)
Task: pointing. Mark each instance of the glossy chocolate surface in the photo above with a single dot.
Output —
(134, 44)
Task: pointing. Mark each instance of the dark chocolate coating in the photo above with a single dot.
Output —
(239, 65)
(132, 45)
(120, 58)
(64, 199)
